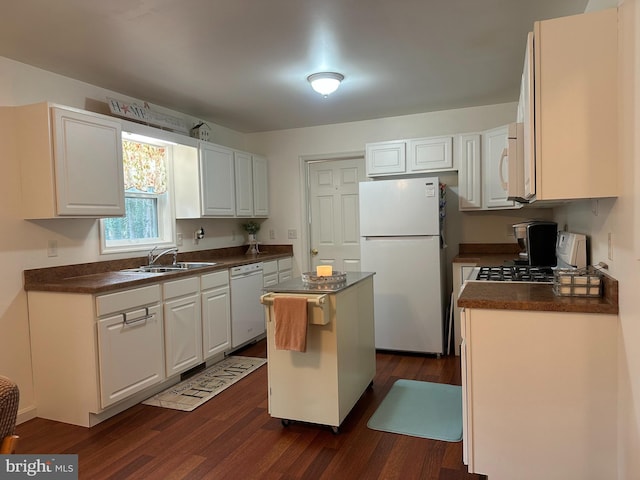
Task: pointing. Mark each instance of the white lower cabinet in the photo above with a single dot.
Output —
(270, 273)
(285, 269)
(216, 313)
(129, 342)
(277, 271)
(182, 325)
(90, 352)
(539, 394)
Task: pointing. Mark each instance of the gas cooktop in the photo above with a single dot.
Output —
(514, 273)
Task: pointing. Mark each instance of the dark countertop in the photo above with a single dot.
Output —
(524, 296)
(536, 296)
(100, 277)
(296, 285)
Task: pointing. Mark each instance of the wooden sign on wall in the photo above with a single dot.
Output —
(145, 115)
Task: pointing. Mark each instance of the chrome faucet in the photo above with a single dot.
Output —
(153, 259)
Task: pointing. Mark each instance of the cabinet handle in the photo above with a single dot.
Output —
(133, 321)
(505, 153)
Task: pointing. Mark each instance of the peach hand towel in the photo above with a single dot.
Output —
(290, 323)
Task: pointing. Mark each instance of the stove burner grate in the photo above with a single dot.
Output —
(516, 273)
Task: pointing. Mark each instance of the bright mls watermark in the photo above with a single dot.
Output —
(53, 467)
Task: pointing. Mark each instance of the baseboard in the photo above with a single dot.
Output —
(26, 414)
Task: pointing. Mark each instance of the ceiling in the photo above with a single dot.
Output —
(243, 63)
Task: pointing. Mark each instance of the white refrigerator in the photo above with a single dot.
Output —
(400, 242)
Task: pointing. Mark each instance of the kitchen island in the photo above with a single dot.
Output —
(322, 384)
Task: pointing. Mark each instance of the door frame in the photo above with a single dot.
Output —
(305, 221)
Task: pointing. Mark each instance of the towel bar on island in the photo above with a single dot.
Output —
(317, 313)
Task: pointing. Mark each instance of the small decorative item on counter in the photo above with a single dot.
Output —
(252, 228)
(316, 280)
(579, 282)
(324, 270)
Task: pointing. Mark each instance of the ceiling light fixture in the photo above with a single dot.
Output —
(325, 83)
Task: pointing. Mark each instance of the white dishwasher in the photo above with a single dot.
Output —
(247, 313)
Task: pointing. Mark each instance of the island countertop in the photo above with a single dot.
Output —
(296, 285)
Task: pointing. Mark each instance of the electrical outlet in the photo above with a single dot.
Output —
(292, 234)
(272, 234)
(179, 240)
(610, 246)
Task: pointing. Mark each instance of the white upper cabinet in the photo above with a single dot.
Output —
(576, 106)
(470, 173)
(220, 182)
(417, 155)
(495, 164)
(217, 180)
(71, 162)
(244, 184)
(385, 158)
(260, 186)
(484, 171)
(429, 154)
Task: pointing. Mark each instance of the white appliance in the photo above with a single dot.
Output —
(400, 242)
(247, 314)
(571, 250)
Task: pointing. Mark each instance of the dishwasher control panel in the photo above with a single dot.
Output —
(246, 269)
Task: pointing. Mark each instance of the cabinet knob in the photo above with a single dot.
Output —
(314, 251)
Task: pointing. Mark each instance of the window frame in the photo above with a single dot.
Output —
(166, 208)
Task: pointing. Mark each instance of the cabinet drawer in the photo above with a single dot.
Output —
(269, 268)
(184, 286)
(285, 264)
(121, 301)
(214, 280)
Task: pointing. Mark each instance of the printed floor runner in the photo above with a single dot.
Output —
(194, 391)
(421, 409)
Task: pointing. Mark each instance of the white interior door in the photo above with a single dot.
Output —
(334, 224)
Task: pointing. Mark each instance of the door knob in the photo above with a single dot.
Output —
(314, 251)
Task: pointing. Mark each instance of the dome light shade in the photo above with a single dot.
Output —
(325, 83)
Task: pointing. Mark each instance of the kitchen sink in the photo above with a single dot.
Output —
(176, 267)
(189, 265)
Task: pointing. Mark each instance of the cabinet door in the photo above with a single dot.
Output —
(183, 333)
(88, 164)
(217, 181)
(244, 184)
(495, 166)
(130, 353)
(260, 186)
(576, 106)
(285, 269)
(429, 154)
(385, 158)
(216, 321)
(469, 173)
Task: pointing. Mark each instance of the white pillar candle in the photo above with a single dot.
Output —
(324, 270)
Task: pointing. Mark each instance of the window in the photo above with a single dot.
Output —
(148, 219)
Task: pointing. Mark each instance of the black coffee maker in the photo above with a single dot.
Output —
(538, 242)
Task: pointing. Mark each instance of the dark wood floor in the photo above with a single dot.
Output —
(233, 437)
